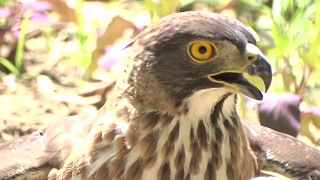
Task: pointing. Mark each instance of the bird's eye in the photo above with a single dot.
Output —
(202, 51)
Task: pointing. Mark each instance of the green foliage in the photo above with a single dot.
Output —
(15, 68)
(161, 8)
(296, 36)
(6, 63)
(310, 118)
(83, 57)
(2, 3)
(20, 44)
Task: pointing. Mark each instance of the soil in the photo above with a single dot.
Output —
(49, 91)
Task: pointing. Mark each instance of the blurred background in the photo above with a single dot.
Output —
(57, 57)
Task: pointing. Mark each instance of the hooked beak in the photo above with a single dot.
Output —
(236, 81)
(260, 68)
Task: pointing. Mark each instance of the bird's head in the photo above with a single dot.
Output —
(191, 51)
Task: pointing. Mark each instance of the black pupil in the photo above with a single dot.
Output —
(202, 49)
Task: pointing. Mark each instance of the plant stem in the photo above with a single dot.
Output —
(9, 65)
(306, 74)
(20, 44)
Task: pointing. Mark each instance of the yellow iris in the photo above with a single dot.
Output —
(201, 51)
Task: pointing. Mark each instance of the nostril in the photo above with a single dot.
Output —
(252, 57)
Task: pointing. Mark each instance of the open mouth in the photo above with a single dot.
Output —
(243, 80)
(228, 77)
(239, 82)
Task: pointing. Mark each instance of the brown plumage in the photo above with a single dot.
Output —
(282, 153)
(171, 115)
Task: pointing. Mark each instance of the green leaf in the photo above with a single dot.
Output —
(9, 66)
(313, 53)
(22, 35)
(306, 119)
(288, 80)
(281, 40)
(160, 8)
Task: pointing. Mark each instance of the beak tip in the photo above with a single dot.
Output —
(259, 96)
(262, 69)
(267, 79)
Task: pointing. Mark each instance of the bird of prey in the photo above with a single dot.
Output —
(171, 115)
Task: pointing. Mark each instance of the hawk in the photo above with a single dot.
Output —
(171, 115)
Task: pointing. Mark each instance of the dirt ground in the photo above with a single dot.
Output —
(52, 91)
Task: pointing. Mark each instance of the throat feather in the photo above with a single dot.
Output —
(185, 146)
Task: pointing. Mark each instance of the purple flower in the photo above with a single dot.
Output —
(281, 112)
(37, 6)
(5, 12)
(113, 54)
(40, 17)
